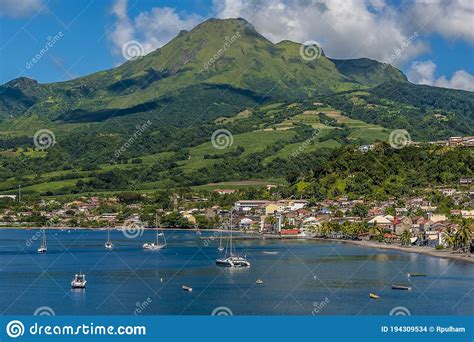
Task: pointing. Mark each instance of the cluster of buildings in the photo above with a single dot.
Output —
(298, 218)
(467, 141)
(289, 217)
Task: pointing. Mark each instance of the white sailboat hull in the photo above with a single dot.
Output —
(233, 262)
(78, 285)
(153, 246)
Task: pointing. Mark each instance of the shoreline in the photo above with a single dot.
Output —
(445, 254)
(120, 228)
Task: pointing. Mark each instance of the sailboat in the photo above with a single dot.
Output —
(156, 245)
(43, 248)
(109, 244)
(220, 248)
(231, 259)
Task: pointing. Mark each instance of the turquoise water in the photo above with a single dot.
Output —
(303, 278)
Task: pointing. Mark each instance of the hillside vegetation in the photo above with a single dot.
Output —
(148, 123)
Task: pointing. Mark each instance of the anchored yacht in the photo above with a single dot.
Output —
(109, 244)
(44, 247)
(231, 259)
(79, 281)
(156, 245)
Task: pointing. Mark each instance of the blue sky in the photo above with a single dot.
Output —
(435, 40)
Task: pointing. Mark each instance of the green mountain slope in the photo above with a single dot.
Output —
(216, 53)
(284, 113)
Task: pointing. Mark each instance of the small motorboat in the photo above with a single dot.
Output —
(270, 252)
(401, 287)
(79, 281)
(374, 296)
(259, 281)
(187, 288)
(415, 275)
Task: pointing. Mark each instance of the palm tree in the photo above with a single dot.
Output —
(449, 237)
(360, 228)
(271, 220)
(326, 229)
(347, 229)
(463, 236)
(405, 237)
(377, 231)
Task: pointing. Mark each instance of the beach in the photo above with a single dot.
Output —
(447, 254)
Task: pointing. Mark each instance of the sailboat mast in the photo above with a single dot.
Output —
(220, 237)
(230, 240)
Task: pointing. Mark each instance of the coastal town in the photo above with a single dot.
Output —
(440, 219)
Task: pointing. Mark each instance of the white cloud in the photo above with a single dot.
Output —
(424, 73)
(152, 29)
(123, 30)
(345, 28)
(20, 8)
(450, 18)
(461, 79)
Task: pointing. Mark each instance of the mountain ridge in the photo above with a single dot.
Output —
(250, 63)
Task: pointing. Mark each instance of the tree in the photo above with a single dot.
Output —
(359, 210)
(450, 237)
(463, 236)
(175, 219)
(270, 220)
(377, 232)
(405, 237)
